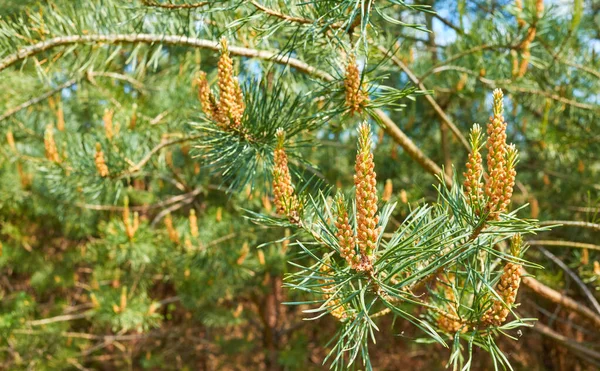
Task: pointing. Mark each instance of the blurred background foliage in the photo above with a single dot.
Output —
(78, 293)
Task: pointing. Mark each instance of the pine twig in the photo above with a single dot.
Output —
(90, 76)
(62, 318)
(577, 245)
(569, 343)
(573, 276)
(40, 47)
(156, 4)
(445, 119)
(571, 223)
(282, 16)
(558, 298)
(508, 85)
(38, 99)
(137, 167)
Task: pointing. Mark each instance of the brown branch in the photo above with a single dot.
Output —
(62, 318)
(581, 67)
(221, 239)
(558, 298)
(585, 209)
(411, 149)
(282, 16)
(589, 70)
(138, 85)
(42, 46)
(38, 99)
(472, 73)
(567, 342)
(446, 150)
(582, 286)
(174, 6)
(571, 223)
(462, 54)
(158, 205)
(119, 76)
(173, 207)
(577, 245)
(436, 107)
(161, 145)
(553, 96)
(506, 84)
(86, 336)
(448, 23)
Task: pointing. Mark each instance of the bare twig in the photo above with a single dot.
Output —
(463, 54)
(507, 85)
(577, 245)
(158, 205)
(38, 99)
(569, 343)
(221, 239)
(159, 117)
(173, 6)
(42, 46)
(161, 145)
(571, 223)
(411, 149)
(436, 107)
(90, 75)
(448, 23)
(553, 96)
(62, 318)
(556, 297)
(582, 286)
(171, 208)
(119, 76)
(282, 16)
(585, 209)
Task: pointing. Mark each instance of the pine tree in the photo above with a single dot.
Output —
(183, 184)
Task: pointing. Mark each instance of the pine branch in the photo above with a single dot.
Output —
(558, 298)
(445, 119)
(38, 99)
(156, 4)
(588, 294)
(508, 85)
(40, 47)
(460, 55)
(90, 77)
(138, 166)
(286, 17)
(577, 245)
(571, 223)
(390, 127)
(144, 208)
(63, 318)
(567, 342)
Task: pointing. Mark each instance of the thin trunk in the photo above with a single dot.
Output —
(270, 314)
(446, 151)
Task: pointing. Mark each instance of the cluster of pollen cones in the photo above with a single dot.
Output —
(356, 96)
(493, 197)
(286, 201)
(228, 110)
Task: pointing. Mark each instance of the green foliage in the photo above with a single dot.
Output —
(79, 290)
